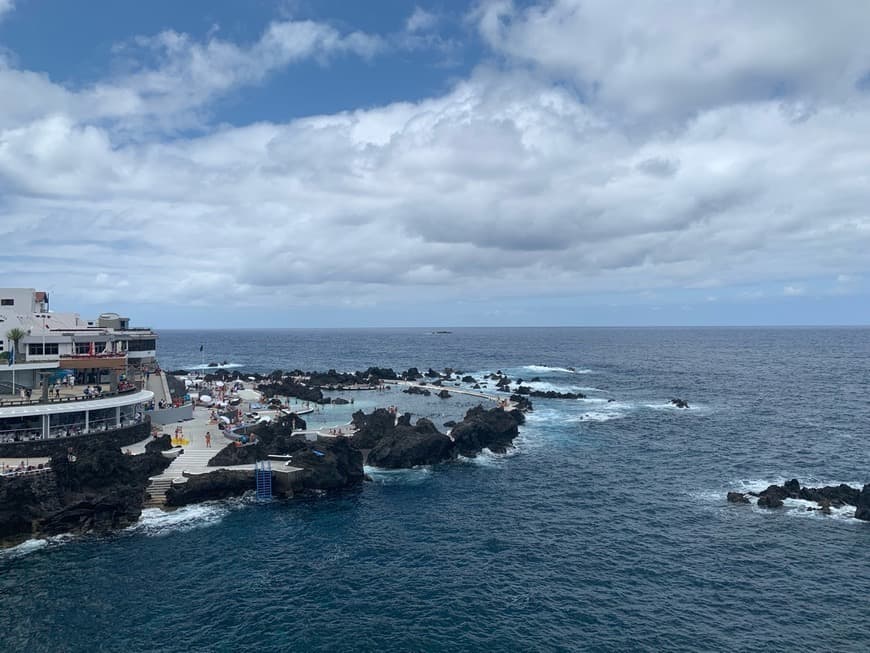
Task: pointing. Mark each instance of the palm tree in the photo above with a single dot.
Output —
(15, 335)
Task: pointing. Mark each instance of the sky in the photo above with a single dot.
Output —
(324, 163)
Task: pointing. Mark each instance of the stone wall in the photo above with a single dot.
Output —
(164, 416)
(119, 438)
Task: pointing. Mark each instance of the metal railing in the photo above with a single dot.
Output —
(32, 434)
(67, 399)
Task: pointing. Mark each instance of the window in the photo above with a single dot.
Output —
(142, 345)
(7, 302)
(84, 347)
(37, 348)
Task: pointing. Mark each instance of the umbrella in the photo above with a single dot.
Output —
(249, 395)
(205, 399)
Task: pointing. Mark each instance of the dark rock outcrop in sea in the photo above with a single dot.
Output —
(409, 446)
(830, 496)
(679, 403)
(417, 390)
(548, 394)
(493, 429)
(395, 443)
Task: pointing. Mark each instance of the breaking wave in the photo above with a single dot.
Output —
(156, 523)
(548, 368)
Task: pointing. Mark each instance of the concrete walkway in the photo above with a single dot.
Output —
(501, 400)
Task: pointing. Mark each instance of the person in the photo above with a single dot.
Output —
(208, 439)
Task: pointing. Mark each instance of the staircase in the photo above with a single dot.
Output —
(157, 490)
(263, 474)
(191, 459)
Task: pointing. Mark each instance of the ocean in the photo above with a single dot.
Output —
(605, 529)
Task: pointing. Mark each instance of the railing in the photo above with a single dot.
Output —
(61, 400)
(30, 470)
(56, 432)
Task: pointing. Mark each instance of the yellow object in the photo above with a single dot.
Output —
(180, 442)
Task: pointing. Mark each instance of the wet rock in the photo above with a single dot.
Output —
(552, 394)
(769, 501)
(737, 497)
(444, 394)
(417, 390)
(408, 447)
(371, 428)
(679, 403)
(862, 510)
(219, 484)
(492, 429)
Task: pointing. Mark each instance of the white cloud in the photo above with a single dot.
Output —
(5, 7)
(671, 58)
(507, 182)
(421, 20)
(182, 77)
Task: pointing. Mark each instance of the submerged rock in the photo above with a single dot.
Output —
(679, 403)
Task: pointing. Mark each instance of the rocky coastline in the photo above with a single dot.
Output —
(98, 489)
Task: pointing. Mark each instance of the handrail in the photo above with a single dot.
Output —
(62, 400)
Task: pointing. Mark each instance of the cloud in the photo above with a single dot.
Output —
(668, 59)
(5, 7)
(793, 291)
(421, 20)
(171, 78)
(507, 184)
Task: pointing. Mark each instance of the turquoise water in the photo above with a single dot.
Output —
(605, 529)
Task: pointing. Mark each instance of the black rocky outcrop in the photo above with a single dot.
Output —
(89, 489)
(417, 390)
(371, 428)
(406, 446)
(679, 403)
(548, 394)
(830, 496)
(492, 429)
(219, 484)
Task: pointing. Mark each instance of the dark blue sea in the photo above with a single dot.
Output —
(606, 529)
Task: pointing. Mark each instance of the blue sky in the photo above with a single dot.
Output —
(327, 163)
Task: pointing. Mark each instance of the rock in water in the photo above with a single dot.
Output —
(409, 446)
(772, 497)
(680, 403)
(492, 429)
(737, 497)
(863, 510)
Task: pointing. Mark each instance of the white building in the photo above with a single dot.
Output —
(62, 350)
(65, 341)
